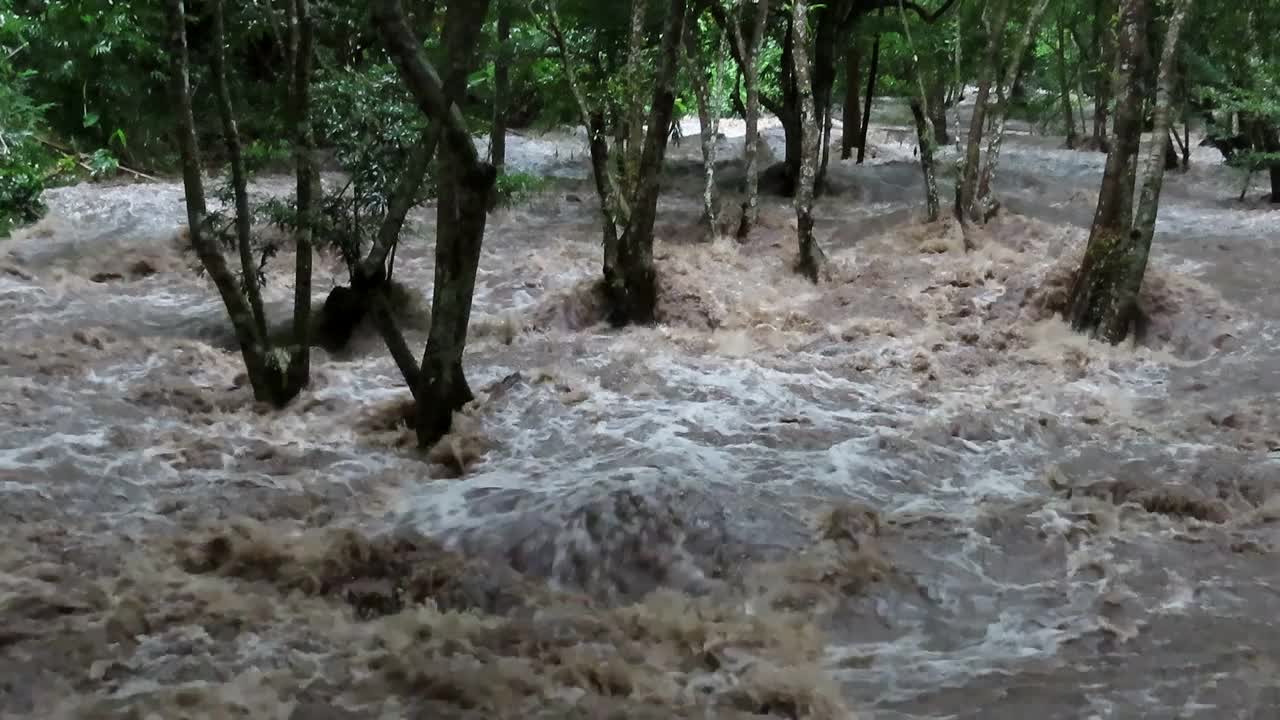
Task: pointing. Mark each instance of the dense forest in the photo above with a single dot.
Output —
(900, 247)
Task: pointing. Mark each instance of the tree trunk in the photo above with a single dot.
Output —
(631, 283)
(1098, 303)
(995, 15)
(308, 194)
(812, 259)
(936, 105)
(1121, 309)
(1104, 41)
(871, 92)
(985, 205)
(708, 123)
(461, 209)
(501, 89)
(239, 178)
(852, 112)
(636, 78)
(920, 111)
(1064, 83)
(252, 344)
(751, 76)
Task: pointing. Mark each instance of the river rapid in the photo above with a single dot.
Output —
(907, 493)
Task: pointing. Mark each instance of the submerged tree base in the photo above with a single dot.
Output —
(1099, 304)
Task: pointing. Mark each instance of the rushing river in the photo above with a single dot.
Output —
(906, 493)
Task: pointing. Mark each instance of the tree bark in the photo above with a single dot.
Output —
(1064, 83)
(872, 73)
(636, 77)
(936, 105)
(920, 111)
(1104, 41)
(751, 150)
(708, 122)
(631, 283)
(466, 182)
(995, 15)
(985, 204)
(501, 89)
(308, 193)
(852, 112)
(812, 259)
(239, 178)
(1103, 296)
(252, 344)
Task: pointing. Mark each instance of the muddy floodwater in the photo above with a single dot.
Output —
(907, 493)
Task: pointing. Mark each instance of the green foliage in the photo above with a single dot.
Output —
(515, 188)
(23, 162)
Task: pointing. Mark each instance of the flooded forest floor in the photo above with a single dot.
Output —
(906, 493)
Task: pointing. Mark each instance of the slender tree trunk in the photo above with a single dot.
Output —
(852, 112)
(920, 111)
(1064, 82)
(1109, 258)
(708, 122)
(308, 194)
(466, 182)
(936, 105)
(632, 283)
(252, 344)
(501, 89)
(751, 148)
(1133, 249)
(812, 260)
(636, 78)
(1104, 40)
(871, 93)
(985, 204)
(239, 178)
(995, 15)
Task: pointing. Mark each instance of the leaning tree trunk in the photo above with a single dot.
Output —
(985, 204)
(920, 111)
(1096, 303)
(749, 51)
(252, 344)
(466, 182)
(239, 177)
(852, 113)
(308, 194)
(995, 15)
(871, 92)
(812, 259)
(631, 283)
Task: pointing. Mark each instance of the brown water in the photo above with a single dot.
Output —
(906, 493)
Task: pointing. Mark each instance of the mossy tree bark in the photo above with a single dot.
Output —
(920, 112)
(750, 51)
(704, 90)
(466, 182)
(307, 195)
(812, 259)
(1104, 297)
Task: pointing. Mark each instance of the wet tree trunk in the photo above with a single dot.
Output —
(812, 260)
(985, 205)
(308, 194)
(871, 93)
(746, 50)
(252, 344)
(994, 17)
(239, 178)
(920, 111)
(852, 112)
(466, 182)
(501, 88)
(708, 122)
(631, 283)
(1064, 83)
(936, 105)
(1103, 296)
(1104, 41)
(636, 80)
